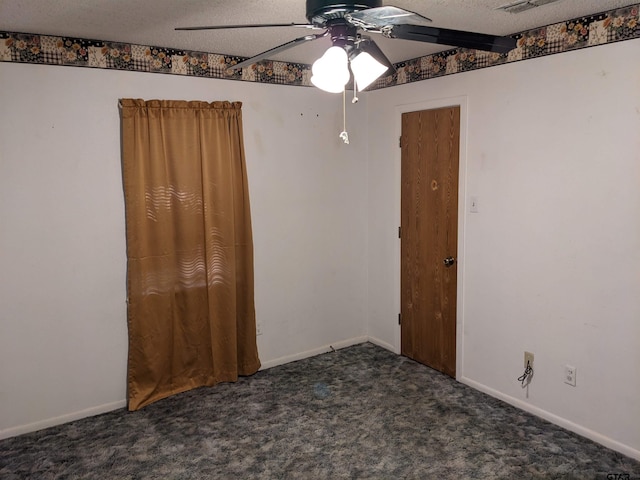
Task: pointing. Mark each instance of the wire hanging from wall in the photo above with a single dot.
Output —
(526, 377)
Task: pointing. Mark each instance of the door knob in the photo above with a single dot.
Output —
(449, 261)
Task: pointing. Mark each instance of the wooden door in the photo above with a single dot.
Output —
(429, 236)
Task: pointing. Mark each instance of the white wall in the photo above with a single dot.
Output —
(63, 336)
(551, 263)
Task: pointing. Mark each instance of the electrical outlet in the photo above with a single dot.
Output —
(258, 327)
(570, 375)
(528, 359)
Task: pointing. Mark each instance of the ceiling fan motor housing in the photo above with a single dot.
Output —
(319, 12)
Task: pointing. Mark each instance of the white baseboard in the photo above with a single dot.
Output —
(312, 353)
(108, 407)
(385, 345)
(562, 422)
(69, 417)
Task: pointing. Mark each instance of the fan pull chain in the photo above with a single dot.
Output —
(344, 135)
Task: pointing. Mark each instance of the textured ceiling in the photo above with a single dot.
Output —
(152, 22)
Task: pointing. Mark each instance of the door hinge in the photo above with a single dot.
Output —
(399, 232)
(399, 319)
(400, 141)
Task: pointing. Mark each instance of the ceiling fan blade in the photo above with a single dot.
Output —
(255, 25)
(454, 38)
(369, 46)
(376, 18)
(278, 49)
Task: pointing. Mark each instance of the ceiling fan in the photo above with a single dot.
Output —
(343, 22)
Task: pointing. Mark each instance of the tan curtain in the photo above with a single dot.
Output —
(191, 313)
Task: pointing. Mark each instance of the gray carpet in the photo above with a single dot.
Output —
(361, 412)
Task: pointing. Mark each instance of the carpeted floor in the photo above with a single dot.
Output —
(361, 412)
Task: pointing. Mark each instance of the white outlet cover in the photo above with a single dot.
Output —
(570, 375)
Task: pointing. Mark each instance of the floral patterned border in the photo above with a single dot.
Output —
(608, 27)
(50, 50)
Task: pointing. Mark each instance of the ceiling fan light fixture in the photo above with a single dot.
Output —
(366, 70)
(331, 71)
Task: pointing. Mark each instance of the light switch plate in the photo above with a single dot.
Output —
(473, 204)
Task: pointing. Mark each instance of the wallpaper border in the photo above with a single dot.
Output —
(599, 29)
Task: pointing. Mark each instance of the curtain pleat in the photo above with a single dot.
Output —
(191, 314)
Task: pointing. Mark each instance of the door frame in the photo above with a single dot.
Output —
(459, 101)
